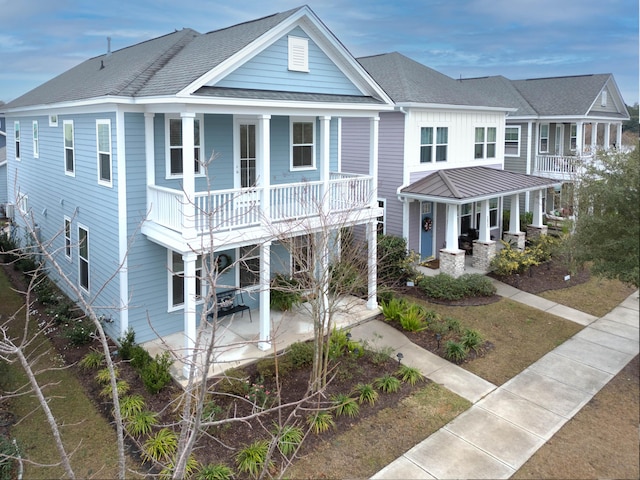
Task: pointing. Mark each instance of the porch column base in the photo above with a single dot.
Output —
(452, 262)
(483, 253)
(534, 231)
(264, 346)
(515, 238)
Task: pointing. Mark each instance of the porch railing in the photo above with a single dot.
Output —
(247, 207)
(560, 166)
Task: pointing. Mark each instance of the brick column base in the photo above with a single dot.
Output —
(452, 262)
(534, 232)
(515, 238)
(483, 253)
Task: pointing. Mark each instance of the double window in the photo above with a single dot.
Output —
(83, 257)
(16, 136)
(302, 144)
(69, 152)
(177, 279)
(512, 141)
(485, 142)
(433, 148)
(36, 141)
(175, 146)
(103, 142)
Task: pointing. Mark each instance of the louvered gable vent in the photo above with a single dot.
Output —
(298, 54)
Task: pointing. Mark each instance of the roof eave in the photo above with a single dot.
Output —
(448, 106)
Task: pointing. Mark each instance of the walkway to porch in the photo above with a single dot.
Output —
(237, 342)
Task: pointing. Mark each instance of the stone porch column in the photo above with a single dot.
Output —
(484, 249)
(537, 227)
(372, 265)
(264, 341)
(190, 333)
(514, 235)
(452, 257)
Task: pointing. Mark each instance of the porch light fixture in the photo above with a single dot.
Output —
(400, 356)
(348, 335)
(438, 338)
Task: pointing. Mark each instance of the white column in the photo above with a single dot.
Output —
(607, 134)
(264, 161)
(452, 228)
(514, 215)
(579, 137)
(374, 123)
(594, 136)
(188, 177)
(618, 135)
(190, 333)
(149, 155)
(537, 209)
(325, 162)
(405, 219)
(484, 234)
(372, 266)
(264, 342)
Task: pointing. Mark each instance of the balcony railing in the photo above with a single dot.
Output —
(562, 167)
(247, 207)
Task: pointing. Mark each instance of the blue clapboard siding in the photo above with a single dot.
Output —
(269, 71)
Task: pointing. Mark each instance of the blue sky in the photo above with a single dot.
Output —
(460, 38)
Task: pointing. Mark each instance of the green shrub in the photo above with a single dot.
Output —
(285, 293)
(216, 471)
(235, 382)
(394, 308)
(266, 367)
(131, 405)
(104, 377)
(345, 405)
(8, 452)
(340, 344)
(160, 447)
(190, 468)
(413, 319)
(347, 278)
(446, 287)
(79, 332)
(301, 354)
(139, 357)
(92, 360)
(394, 265)
(410, 375)
(289, 438)
(122, 386)
(321, 422)
(387, 383)
(46, 291)
(156, 375)
(472, 339)
(62, 312)
(453, 324)
(455, 351)
(127, 343)
(543, 247)
(141, 423)
(366, 393)
(509, 260)
(476, 285)
(251, 459)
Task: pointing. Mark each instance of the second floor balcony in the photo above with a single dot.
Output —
(560, 167)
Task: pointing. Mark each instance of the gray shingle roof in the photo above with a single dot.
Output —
(278, 95)
(469, 183)
(161, 66)
(407, 81)
(503, 88)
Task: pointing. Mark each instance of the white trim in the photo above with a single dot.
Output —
(312, 121)
(53, 120)
(67, 172)
(539, 142)
(86, 289)
(109, 182)
(519, 128)
(167, 145)
(237, 148)
(35, 137)
(68, 243)
(171, 273)
(123, 238)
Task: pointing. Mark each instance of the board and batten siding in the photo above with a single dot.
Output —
(269, 71)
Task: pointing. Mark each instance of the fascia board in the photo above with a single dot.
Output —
(444, 106)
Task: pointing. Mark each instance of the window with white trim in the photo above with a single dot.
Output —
(67, 237)
(176, 283)
(69, 151)
(573, 137)
(174, 134)
(302, 144)
(433, 149)
(103, 144)
(23, 203)
(485, 142)
(16, 136)
(53, 120)
(544, 138)
(36, 140)
(512, 141)
(493, 213)
(466, 217)
(249, 266)
(381, 225)
(298, 54)
(302, 255)
(83, 257)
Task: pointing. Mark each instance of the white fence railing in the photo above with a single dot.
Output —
(560, 166)
(246, 207)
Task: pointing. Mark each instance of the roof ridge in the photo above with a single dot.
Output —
(445, 178)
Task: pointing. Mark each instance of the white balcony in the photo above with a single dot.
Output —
(560, 167)
(245, 208)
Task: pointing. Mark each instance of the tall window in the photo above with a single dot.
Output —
(249, 265)
(302, 149)
(430, 150)
(36, 141)
(466, 212)
(16, 136)
(69, 153)
(302, 255)
(573, 137)
(177, 279)
(247, 155)
(485, 142)
(103, 142)
(380, 227)
(67, 238)
(544, 138)
(175, 146)
(493, 213)
(512, 141)
(83, 258)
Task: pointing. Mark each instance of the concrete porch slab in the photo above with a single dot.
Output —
(572, 373)
(501, 439)
(595, 355)
(523, 413)
(445, 455)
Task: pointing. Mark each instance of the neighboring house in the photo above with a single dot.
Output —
(441, 164)
(3, 161)
(106, 161)
(558, 123)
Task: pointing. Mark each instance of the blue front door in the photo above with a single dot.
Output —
(427, 223)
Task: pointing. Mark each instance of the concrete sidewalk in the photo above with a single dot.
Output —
(507, 424)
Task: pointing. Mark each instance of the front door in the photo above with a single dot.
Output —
(426, 228)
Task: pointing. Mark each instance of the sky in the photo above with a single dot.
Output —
(460, 38)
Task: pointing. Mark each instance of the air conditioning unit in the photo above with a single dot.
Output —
(10, 210)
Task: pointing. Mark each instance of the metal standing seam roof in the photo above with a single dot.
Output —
(468, 183)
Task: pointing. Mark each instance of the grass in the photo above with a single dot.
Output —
(84, 429)
(393, 431)
(598, 296)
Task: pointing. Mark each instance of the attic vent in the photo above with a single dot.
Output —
(603, 99)
(298, 54)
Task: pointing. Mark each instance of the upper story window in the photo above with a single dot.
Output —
(69, 152)
(573, 137)
(298, 54)
(485, 142)
(302, 144)
(16, 136)
(433, 149)
(175, 146)
(36, 141)
(544, 138)
(103, 143)
(53, 120)
(512, 141)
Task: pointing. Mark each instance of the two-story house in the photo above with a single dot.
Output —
(557, 124)
(111, 161)
(441, 176)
